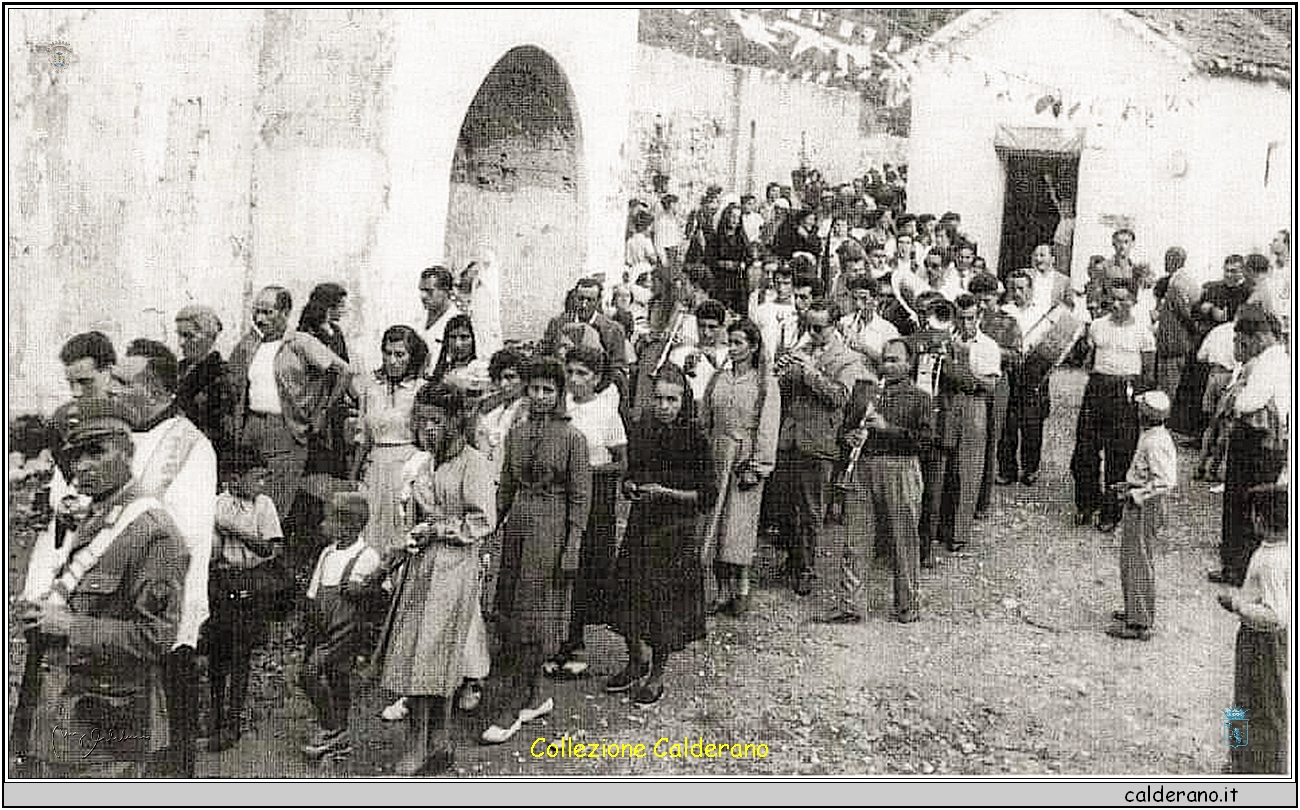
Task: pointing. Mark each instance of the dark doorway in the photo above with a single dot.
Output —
(1041, 189)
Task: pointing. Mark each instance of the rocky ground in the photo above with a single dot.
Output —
(1009, 672)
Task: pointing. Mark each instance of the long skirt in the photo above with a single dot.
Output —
(660, 594)
(386, 532)
(532, 605)
(436, 619)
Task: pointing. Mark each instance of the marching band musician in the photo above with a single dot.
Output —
(816, 380)
(1020, 450)
(888, 425)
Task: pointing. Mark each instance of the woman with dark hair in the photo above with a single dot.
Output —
(327, 451)
(593, 408)
(728, 251)
(449, 510)
(459, 349)
(658, 602)
(544, 498)
(386, 437)
(742, 417)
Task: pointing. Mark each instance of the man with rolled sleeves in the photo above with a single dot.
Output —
(976, 366)
(281, 392)
(105, 618)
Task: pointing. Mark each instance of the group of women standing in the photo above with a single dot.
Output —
(539, 462)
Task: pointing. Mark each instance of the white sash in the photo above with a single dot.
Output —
(89, 555)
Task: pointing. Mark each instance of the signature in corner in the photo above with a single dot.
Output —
(91, 738)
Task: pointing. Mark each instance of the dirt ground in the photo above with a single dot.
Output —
(1009, 671)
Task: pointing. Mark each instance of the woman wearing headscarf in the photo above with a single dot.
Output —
(658, 602)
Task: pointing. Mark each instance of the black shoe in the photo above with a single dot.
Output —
(928, 562)
(1108, 525)
(1119, 616)
(841, 617)
(1084, 517)
(908, 616)
(625, 680)
(804, 584)
(1030, 479)
(645, 694)
(738, 605)
(1131, 632)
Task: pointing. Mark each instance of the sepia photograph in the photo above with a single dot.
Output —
(760, 396)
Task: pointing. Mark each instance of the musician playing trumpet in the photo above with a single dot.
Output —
(816, 379)
(886, 426)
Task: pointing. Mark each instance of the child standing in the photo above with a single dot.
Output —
(244, 578)
(345, 574)
(1260, 682)
(1152, 473)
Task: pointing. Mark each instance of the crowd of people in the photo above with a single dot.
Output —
(755, 373)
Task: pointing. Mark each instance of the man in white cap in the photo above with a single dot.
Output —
(1151, 475)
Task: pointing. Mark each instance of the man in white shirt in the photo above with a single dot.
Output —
(778, 318)
(1260, 406)
(1021, 445)
(1051, 287)
(435, 294)
(977, 365)
(750, 218)
(1124, 358)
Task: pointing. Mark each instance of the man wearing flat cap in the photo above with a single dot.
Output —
(105, 621)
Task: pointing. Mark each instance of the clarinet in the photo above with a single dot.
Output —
(673, 336)
(855, 451)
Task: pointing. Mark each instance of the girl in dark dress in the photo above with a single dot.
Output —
(659, 599)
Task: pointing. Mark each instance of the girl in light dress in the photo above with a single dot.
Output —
(436, 629)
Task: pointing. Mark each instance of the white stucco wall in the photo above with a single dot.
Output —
(193, 156)
(1132, 167)
(706, 110)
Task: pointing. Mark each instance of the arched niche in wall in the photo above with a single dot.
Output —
(516, 193)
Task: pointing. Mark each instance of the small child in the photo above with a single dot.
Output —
(347, 573)
(243, 581)
(1152, 474)
(1260, 681)
(1217, 352)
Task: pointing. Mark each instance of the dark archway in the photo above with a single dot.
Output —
(516, 188)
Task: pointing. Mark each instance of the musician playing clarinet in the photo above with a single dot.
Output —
(816, 380)
(885, 427)
(1021, 447)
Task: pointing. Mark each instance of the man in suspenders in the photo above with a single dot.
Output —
(104, 623)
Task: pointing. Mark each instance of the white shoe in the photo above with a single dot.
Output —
(528, 715)
(495, 735)
(396, 711)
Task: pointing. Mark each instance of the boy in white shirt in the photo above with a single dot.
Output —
(348, 570)
(1264, 605)
(1151, 475)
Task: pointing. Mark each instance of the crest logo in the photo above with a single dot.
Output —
(60, 53)
(1236, 728)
